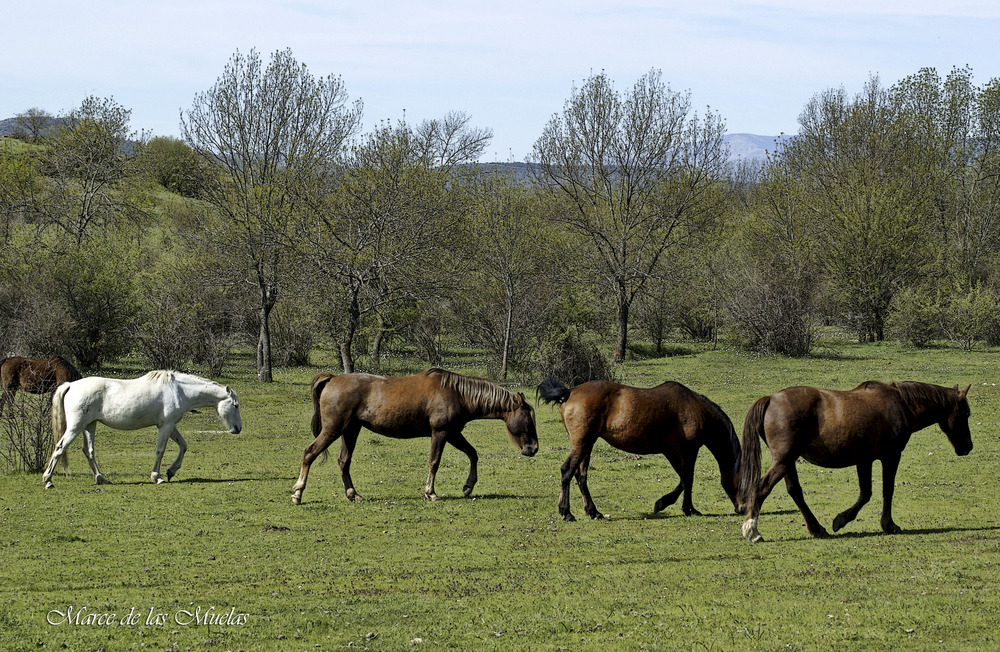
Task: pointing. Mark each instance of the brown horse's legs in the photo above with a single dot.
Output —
(461, 443)
(865, 483)
(669, 499)
(795, 491)
(581, 479)
(438, 439)
(889, 467)
(327, 436)
(567, 477)
(764, 487)
(347, 445)
(684, 466)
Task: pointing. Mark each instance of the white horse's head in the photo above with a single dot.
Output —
(229, 411)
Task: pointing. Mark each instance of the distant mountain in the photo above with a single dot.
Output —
(753, 148)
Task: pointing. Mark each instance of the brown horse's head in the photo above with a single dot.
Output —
(521, 426)
(955, 423)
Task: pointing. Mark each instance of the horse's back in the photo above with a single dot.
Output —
(120, 404)
(391, 406)
(833, 428)
(636, 419)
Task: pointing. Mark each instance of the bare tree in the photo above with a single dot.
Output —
(637, 173)
(265, 129)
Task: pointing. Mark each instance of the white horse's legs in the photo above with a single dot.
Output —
(161, 446)
(89, 433)
(182, 448)
(60, 448)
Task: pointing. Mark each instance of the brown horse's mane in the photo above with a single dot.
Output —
(914, 393)
(481, 394)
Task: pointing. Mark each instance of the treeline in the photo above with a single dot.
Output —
(274, 221)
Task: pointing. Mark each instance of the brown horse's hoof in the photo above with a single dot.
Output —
(352, 495)
(569, 517)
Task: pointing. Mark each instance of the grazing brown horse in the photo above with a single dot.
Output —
(669, 419)
(435, 403)
(34, 376)
(836, 429)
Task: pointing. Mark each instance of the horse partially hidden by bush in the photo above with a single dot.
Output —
(435, 403)
(836, 429)
(34, 376)
(669, 419)
(160, 398)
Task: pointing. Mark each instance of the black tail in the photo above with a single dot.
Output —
(552, 391)
(753, 431)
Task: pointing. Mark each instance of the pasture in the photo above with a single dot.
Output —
(220, 559)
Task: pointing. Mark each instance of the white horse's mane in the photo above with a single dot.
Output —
(169, 375)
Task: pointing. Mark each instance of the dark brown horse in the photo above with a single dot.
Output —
(436, 404)
(669, 419)
(836, 429)
(34, 376)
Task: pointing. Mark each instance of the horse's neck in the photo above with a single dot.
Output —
(198, 393)
(923, 414)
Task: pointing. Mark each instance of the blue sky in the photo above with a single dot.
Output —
(510, 65)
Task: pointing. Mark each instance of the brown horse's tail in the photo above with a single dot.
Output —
(753, 431)
(59, 421)
(552, 391)
(319, 382)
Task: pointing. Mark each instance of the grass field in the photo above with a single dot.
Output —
(219, 559)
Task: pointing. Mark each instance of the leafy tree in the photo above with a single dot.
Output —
(637, 173)
(383, 226)
(91, 161)
(175, 166)
(33, 123)
(511, 289)
(869, 185)
(265, 129)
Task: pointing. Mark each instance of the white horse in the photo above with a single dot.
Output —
(160, 398)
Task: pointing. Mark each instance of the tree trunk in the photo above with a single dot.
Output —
(376, 348)
(264, 343)
(506, 338)
(623, 308)
(353, 319)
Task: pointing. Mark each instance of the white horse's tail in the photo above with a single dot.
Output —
(59, 420)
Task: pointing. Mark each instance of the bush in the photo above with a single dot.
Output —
(917, 316)
(971, 315)
(574, 358)
(25, 432)
(769, 316)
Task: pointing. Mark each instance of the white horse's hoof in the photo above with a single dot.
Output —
(750, 532)
(49, 485)
(296, 499)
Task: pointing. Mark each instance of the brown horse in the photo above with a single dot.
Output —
(34, 376)
(669, 419)
(836, 429)
(436, 404)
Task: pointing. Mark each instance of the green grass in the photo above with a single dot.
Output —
(501, 570)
